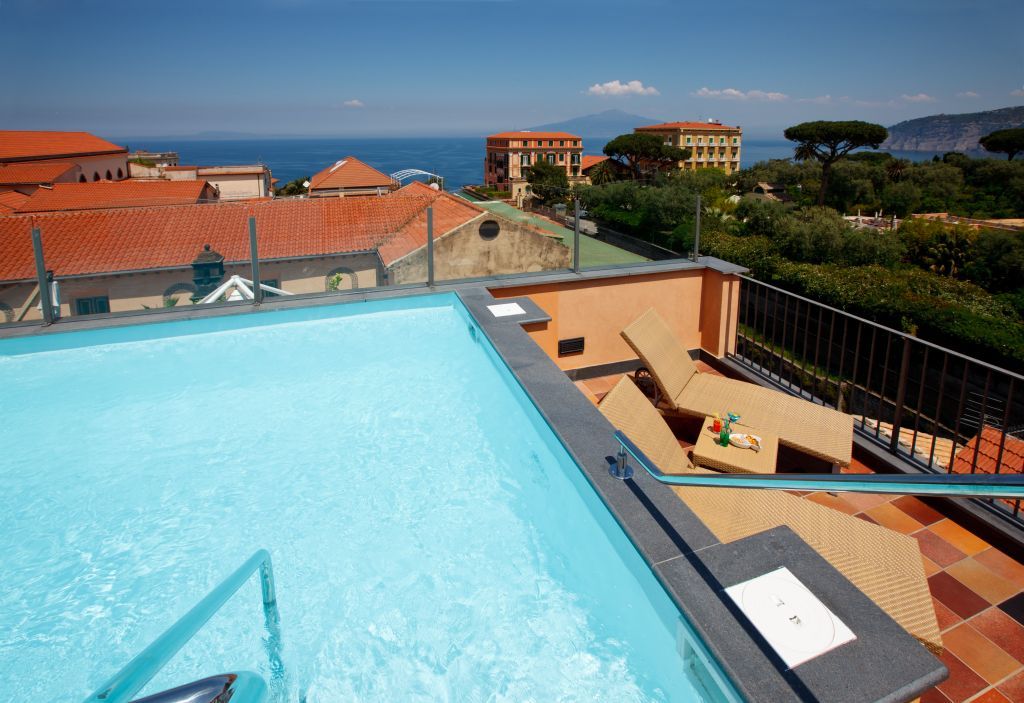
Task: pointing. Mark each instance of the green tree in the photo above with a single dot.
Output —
(602, 173)
(828, 142)
(291, 188)
(644, 153)
(997, 261)
(936, 246)
(1004, 141)
(548, 182)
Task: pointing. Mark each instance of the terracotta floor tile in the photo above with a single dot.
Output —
(990, 696)
(962, 682)
(1006, 566)
(857, 467)
(1001, 629)
(1013, 688)
(835, 502)
(956, 596)
(975, 650)
(865, 501)
(1014, 607)
(866, 518)
(933, 695)
(888, 515)
(937, 549)
(946, 617)
(959, 537)
(917, 509)
(930, 567)
(982, 580)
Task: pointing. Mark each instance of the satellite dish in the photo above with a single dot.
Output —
(435, 186)
(305, 184)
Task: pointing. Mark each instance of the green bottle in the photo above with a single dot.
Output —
(723, 436)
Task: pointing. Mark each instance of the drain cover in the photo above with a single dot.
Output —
(796, 624)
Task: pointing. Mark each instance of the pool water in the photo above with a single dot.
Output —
(431, 539)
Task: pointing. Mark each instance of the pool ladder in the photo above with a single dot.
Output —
(240, 687)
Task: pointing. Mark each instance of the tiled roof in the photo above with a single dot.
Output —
(18, 145)
(349, 172)
(533, 135)
(687, 125)
(1012, 460)
(11, 201)
(131, 239)
(589, 161)
(114, 194)
(33, 172)
(450, 211)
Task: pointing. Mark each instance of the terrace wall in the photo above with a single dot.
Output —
(699, 305)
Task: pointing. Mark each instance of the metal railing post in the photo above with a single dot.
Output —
(576, 237)
(430, 246)
(901, 397)
(254, 255)
(44, 284)
(696, 233)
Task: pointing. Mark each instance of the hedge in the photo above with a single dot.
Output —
(955, 314)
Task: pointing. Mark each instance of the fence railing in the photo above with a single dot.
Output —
(936, 408)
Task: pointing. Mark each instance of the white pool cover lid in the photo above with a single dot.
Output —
(506, 309)
(796, 624)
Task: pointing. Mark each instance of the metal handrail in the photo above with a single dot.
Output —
(940, 485)
(883, 328)
(123, 685)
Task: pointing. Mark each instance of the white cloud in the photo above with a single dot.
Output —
(354, 103)
(619, 88)
(820, 100)
(733, 94)
(919, 98)
(1019, 93)
(968, 94)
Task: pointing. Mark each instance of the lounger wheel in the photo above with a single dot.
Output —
(646, 383)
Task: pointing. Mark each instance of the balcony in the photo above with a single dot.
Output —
(919, 408)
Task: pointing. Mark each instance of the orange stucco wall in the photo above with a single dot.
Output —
(699, 306)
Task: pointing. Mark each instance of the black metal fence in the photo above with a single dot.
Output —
(933, 407)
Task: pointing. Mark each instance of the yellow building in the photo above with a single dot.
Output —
(711, 144)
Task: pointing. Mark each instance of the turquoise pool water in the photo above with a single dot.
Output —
(431, 539)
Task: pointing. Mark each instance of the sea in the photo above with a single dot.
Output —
(459, 160)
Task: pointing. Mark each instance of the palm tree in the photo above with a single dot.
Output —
(896, 169)
(602, 173)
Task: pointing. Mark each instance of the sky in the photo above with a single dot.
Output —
(469, 67)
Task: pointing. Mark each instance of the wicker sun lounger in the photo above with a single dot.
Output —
(885, 565)
(821, 432)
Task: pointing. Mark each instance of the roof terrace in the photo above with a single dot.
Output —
(932, 588)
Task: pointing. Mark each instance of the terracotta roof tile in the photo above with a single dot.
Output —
(114, 194)
(16, 145)
(33, 172)
(349, 172)
(588, 161)
(687, 125)
(449, 212)
(988, 454)
(11, 201)
(534, 135)
(130, 239)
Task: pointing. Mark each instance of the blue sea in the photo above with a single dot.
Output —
(459, 160)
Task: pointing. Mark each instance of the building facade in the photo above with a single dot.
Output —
(711, 144)
(509, 154)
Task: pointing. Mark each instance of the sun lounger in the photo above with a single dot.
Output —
(885, 565)
(813, 429)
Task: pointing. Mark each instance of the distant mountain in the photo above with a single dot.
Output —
(610, 123)
(951, 132)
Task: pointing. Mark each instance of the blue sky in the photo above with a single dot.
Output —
(454, 67)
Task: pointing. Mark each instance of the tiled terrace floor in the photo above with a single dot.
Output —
(978, 591)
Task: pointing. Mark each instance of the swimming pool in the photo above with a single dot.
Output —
(432, 540)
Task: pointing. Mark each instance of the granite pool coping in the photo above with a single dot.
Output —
(884, 663)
